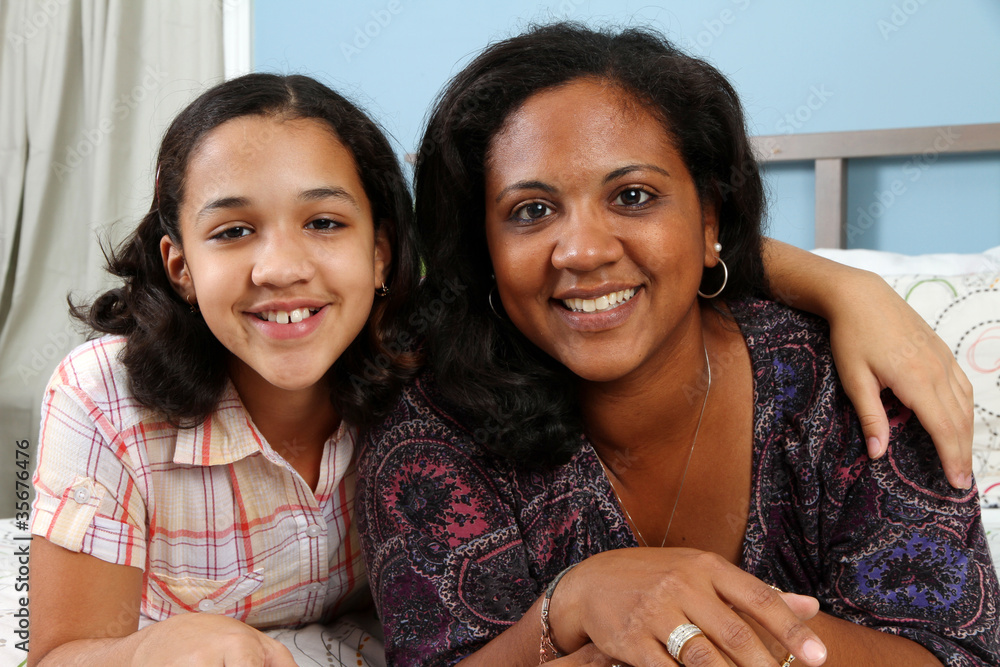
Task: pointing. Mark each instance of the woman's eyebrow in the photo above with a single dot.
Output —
(330, 192)
(628, 169)
(525, 185)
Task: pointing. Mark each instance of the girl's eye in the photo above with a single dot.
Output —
(323, 223)
(533, 211)
(233, 233)
(633, 197)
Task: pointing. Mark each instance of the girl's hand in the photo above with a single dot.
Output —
(878, 342)
(211, 640)
(627, 602)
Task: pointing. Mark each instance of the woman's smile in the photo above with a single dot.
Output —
(596, 231)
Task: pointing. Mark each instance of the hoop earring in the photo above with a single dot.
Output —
(383, 290)
(725, 279)
(489, 299)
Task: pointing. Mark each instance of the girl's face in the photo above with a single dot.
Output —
(595, 229)
(279, 248)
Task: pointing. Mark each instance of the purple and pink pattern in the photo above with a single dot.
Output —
(460, 543)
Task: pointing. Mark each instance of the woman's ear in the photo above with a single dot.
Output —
(710, 223)
(176, 268)
(383, 257)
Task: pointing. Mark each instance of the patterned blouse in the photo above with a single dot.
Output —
(460, 542)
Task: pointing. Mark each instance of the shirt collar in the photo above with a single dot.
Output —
(226, 436)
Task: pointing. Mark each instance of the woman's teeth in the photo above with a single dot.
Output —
(286, 316)
(601, 303)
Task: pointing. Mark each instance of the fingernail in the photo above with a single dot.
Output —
(875, 445)
(966, 481)
(813, 650)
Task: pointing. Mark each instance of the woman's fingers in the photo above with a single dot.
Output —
(782, 615)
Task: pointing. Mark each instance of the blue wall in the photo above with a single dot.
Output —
(799, 67)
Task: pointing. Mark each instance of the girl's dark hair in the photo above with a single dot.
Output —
(174, 362)
(523, 400)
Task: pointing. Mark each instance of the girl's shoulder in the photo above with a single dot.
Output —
(92, 376)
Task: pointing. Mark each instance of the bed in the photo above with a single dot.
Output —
(959, 295)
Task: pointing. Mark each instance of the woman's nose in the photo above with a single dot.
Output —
(282, 261)
(587, 241)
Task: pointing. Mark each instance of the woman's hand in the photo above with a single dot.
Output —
(880, 342)
(208, 639)
(628, 601)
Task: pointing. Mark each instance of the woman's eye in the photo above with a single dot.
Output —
(633, 197)
(233, 233)
(532, 211)
(323, 223)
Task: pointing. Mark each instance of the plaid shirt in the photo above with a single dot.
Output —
(214, 517)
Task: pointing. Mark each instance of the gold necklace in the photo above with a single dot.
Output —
(687, 465)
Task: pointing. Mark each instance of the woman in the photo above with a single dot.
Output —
(620, 447)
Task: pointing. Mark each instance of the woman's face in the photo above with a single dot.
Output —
(595, 229)
(279, 248)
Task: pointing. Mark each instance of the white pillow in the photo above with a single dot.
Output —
(894, 264)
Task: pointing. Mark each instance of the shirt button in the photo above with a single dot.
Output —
(315, 587)
(314, 531)
(81, 495)
(206, 605)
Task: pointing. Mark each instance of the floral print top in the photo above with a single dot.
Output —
(460, 542)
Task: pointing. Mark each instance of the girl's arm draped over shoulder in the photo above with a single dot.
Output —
(869, 326)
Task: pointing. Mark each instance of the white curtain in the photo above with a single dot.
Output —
(87, 88)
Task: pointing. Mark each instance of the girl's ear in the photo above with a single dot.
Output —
(176, 268)
(383, 257)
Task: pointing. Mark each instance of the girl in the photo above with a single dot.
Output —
(620, 445)
(199, 456)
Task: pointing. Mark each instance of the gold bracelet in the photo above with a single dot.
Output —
(789, 659)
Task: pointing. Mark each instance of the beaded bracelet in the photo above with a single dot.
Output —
(548, 651)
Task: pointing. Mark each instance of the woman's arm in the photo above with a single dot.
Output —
(86, 611)
(879, 342)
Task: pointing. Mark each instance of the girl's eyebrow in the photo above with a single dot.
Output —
(223, 203)
(333, 192)
(525, 185)
(628, 169)
(314, 194)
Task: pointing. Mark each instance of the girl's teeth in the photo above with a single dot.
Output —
(286, 316)
(601, 303)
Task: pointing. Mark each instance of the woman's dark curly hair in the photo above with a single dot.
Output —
(523, 402)
(174, 362)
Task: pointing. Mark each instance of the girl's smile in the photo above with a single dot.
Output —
(279, 247)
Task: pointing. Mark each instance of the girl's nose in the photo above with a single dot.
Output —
(586, 242)
(281, 262)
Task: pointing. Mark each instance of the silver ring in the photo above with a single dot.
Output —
(679, 637)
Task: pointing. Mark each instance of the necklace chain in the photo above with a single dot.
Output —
(687, 465)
